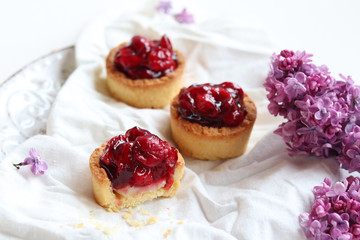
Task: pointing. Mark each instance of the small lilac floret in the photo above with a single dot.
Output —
(184, 17)
(164, 6)
(38, 166)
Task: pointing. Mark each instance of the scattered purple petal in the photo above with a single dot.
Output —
(38, 166)
(164, 6)
(184, 17)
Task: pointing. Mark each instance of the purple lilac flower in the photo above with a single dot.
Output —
(318, 83)
(338, 189)
(353, 98)
(322, 114)
(350, 157)
(164, 6)
(335, 211)
(321, 109)
(295, 86)
(322, 190)
(318, 230)
(38, 166)
(285, 83)
(184, 17)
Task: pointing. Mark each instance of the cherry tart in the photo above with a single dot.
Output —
(145, 73)
(212, 121)
(133, 168)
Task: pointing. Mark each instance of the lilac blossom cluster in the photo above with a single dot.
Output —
(323, 114)
(335, 212)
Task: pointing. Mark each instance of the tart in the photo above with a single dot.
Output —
(145, 73)
(212, 121)
(133, 168)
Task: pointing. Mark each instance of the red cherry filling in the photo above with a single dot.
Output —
(138, 158)
(143, 58)
(213, 105)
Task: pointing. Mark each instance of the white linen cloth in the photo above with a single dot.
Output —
(255, 196)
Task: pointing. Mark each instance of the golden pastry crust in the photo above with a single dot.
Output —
(143, 93)
(211, 143)
(112, 200)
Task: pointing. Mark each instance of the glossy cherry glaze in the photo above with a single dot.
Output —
(138, 158)
(143, 58)
(213, 105)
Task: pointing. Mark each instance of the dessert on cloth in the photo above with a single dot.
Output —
(134, 167)
(212, 121)
(145, 73)
(259, 194)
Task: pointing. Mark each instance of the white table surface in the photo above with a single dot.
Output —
(328, 28)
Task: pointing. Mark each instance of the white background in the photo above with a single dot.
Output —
(328, 28)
